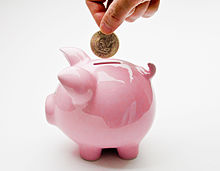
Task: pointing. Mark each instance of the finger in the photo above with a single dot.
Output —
(139, 11)
(97, 9)
(116, 14)
(153, 7)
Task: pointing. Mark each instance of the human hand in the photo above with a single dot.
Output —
(117, 11)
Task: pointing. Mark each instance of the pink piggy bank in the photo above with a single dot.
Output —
(102, 103)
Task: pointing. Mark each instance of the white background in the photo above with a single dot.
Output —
(182, 40)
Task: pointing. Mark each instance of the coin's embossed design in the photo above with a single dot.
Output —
(103, 45)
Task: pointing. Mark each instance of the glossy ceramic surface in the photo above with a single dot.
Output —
(102, 103)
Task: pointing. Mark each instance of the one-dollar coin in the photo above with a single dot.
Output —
(104, 46)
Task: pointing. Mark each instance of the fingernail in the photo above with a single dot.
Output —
(105, 28)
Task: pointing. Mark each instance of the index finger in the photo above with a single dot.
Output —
(97, 9)
(116, 14)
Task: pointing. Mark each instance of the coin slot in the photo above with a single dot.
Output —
(101, 63)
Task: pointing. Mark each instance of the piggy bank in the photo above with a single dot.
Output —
(102, 103)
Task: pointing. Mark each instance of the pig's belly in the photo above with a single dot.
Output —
(92, 130)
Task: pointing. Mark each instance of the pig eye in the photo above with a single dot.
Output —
(102, 63)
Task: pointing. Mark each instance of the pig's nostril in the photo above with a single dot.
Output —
(101, 63)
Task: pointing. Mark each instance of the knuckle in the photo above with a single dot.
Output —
(114, 17)
(130, 20)
(108, 23)
(146, 16)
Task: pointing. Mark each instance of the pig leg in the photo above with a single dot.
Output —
(90, 152)
(49, 108)
(128, 152)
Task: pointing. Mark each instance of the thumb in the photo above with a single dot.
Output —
(116, 14)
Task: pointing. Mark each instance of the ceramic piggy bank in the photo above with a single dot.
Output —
(102, 103)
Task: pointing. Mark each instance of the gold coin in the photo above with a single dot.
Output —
(104, 46)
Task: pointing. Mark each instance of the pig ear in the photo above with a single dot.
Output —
(150, 73)
(79, 83)
(74, 55)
